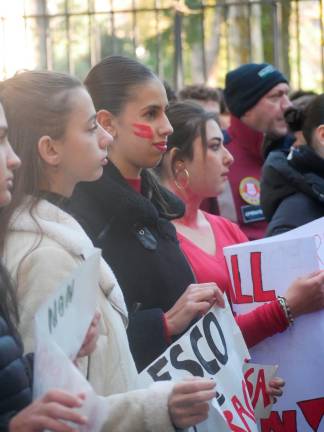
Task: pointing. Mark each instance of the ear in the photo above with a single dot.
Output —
(320, 133)
(246, 116)
(49, 150)
(107, 121)
(176, 163)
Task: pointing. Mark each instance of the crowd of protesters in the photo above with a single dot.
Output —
(75, 173)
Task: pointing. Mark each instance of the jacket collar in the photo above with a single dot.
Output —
(249, 139)
(55, 223)
(305, 160)
(119, 200)
(59, 226)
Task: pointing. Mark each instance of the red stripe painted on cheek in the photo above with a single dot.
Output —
(143, 131)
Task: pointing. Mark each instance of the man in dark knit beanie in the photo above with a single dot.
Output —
(257, 98)
(258, 91)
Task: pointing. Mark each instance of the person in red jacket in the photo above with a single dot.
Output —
(257, 98)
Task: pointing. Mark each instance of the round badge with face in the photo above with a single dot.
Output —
(250, 190)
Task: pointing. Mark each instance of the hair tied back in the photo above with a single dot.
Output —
(295, 118)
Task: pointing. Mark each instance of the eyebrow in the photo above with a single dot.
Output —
(215, 138)
(154, 106)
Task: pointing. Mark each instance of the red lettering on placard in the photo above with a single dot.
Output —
(234, 428)
(313, 411)
(260, 388)
(247, 397)
(275, 424)
(256, 272)
(239, 297)
(249, 385)
(242, 411)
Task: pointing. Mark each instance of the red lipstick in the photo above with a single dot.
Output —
(143, 131)
(161, 146)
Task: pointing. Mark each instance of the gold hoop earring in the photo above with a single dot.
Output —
(179, 182)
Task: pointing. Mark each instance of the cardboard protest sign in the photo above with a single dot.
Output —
(61, 325)
(259, 271)
(214, 347)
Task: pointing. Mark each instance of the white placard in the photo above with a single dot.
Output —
(259, 271)
(214, 348)
(61, 325)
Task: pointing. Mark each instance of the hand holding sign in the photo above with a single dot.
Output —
(275, 388)
(306, 294)
(194, 302)
(284, 262)
(213, 348)
(90, 341)
(188, 403)
(48, 413)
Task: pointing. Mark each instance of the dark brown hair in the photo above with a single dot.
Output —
(199, 92)
(111, 81)
(313, 117)
(188, 120)
(36, 104)
(110, 84)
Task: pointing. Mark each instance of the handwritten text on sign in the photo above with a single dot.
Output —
(214, 347)
(61, 324)
(259, 271)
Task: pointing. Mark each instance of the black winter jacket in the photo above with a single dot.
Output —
(292, 190)
(15, 377)
(140, 244)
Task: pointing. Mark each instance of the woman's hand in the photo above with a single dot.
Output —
(188, 403)
(306, 294)
(90, 341)
(195, 301)
(48, 413)
(275, 388)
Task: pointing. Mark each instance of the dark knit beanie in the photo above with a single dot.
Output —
(247, 84)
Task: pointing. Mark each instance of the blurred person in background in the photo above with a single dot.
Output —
(208, 97)
(292, 187)
(257, 97)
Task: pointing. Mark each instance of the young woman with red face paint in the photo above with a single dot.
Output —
(195, 167)
(53, 129)
(127, 214)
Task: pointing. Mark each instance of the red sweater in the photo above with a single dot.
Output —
(262, 322)
(245, 145)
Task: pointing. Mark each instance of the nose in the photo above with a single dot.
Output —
(104, 137)
(13, 160)
(228, 157)
(165, 128)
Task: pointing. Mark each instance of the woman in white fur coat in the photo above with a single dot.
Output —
(53, 129)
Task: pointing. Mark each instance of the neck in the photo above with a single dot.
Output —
(127, 170)
(58, 185)
(191, 201)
